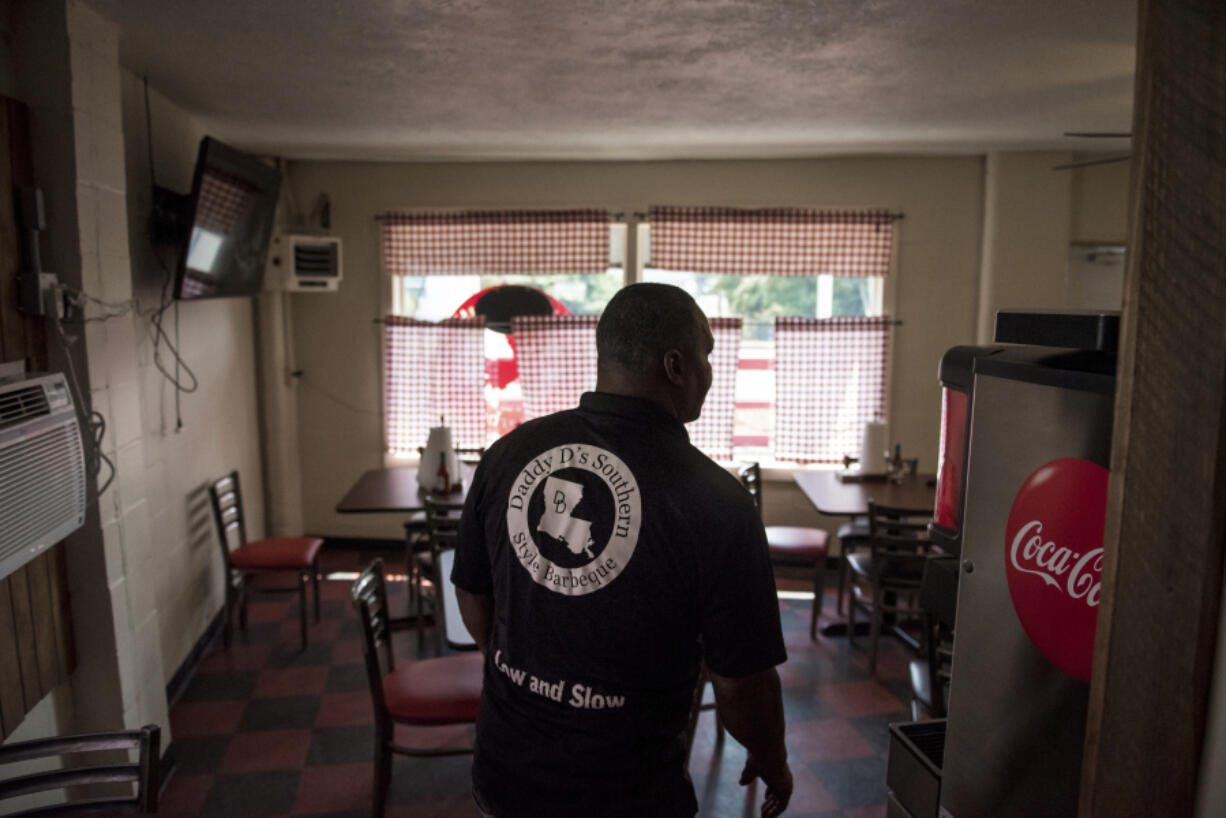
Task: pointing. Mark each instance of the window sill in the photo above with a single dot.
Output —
(779, 470)
(772, 470)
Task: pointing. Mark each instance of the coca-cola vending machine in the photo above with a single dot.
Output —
(1026, 516)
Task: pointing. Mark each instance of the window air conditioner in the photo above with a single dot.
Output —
(302, 263)
(42, 468)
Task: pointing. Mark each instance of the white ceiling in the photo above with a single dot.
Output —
(640, 79)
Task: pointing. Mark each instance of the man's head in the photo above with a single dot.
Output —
(652, 342)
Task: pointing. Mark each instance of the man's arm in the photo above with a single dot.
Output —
(751, 707)
(477, 611)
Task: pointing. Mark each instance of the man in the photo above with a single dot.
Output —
(601, 556)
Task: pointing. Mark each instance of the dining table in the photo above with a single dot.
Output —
(836, 494)
(395, 490)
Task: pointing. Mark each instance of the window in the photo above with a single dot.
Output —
(759, 299)
(437, 297)
(823, 271)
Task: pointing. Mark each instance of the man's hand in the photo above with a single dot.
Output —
(778, 786)
(752, 710)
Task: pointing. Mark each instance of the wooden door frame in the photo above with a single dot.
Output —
(1166, 513)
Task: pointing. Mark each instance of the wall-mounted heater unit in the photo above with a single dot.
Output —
(42, 468)
(303, 263)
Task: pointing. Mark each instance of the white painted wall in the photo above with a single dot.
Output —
(1095, 279)
(220, 429)
(338, 345)
(66, 69)
(1026, 228)
(1100, 203)
(951, 267)
(145, 572)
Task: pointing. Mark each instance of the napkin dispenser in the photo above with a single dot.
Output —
(440, 468)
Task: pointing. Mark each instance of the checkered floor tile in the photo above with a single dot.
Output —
(269, 729)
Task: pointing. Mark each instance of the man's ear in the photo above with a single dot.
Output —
(674, 366)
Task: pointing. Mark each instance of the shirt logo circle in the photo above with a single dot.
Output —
(1054, 560)
(573, 517)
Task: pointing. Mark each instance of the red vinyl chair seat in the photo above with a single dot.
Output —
(796, 544)
(446, 690)
(276, 552)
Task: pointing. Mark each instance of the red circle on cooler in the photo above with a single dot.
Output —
(1054, 559)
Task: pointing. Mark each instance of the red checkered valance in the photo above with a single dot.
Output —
(772, 241)
(496, 242)
(431, 371)
(557, 360)
(831, 377)
(712, 432)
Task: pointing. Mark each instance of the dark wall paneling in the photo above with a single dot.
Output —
(12, 697)
(36, 644)
(64, 646)
(23, 618)
(1150, 693)
(12, 334)
(41, 607)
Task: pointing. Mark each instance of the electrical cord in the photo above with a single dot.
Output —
(81, 299)
(340, 402)
(157, 315)
(93, 423)
(160, 337)
(119, 309)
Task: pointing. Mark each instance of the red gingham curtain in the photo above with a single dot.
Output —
(496, 242)
(431, 371)
(712, 432)
(557, 360)
(830, 379)
(772, 241)
(223, 201)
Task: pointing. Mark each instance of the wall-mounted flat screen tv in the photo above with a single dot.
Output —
(228, 222)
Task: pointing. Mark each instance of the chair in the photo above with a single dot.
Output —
(931, 675)
(442, 531)
(852, 537)
(143, 772)
(269, 556)
(697, 706)
(416, 539)
(886, 578)
(791, 545)
(426, 692)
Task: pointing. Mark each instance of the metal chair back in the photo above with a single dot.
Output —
(109, 750)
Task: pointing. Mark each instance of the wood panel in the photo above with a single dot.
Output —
(23, 622)
(12, 698)
(41, 608)
(36, 645)
(12, 334)
(21, 173)
(1166, 522)
(64, 644)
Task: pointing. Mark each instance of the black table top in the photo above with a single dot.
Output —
(395, 490)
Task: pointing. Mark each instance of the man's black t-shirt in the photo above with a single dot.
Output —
(617, 555)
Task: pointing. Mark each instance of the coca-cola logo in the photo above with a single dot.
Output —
(1054, 559)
